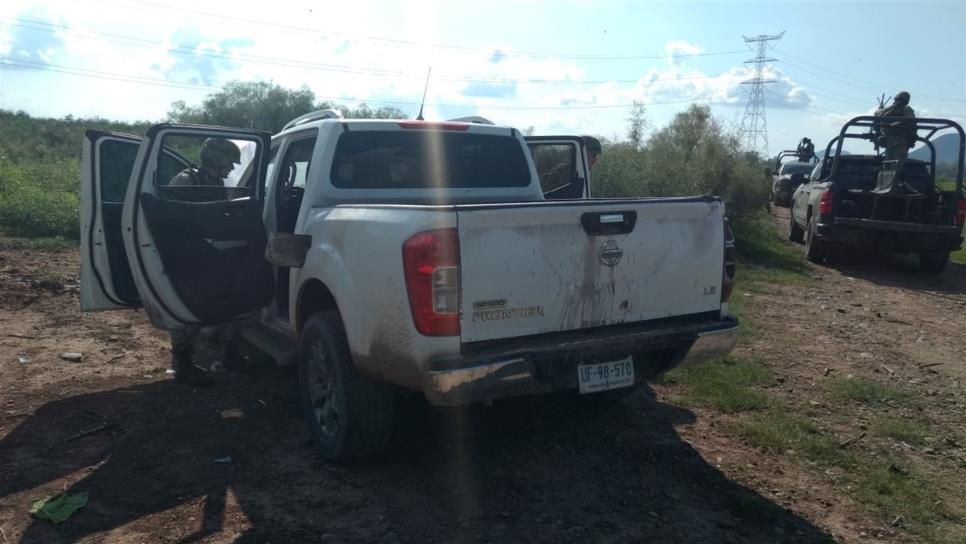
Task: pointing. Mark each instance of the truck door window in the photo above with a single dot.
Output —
(556, 166)
(292, 174)
(197, 169)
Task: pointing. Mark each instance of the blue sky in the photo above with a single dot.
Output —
(561, 66)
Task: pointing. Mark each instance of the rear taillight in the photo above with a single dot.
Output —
(825, 203)
(961, 212)
(729, 266)
(431, 261)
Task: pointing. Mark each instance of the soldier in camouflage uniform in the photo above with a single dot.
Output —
(218, 159)
(898, 137)
(216, 343)
(806, 150)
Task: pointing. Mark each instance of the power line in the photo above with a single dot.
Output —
(776, 95)
(157, 7)
(98, 74)
(849, 79)
(754, 126)
(42, 26)
(849, 99)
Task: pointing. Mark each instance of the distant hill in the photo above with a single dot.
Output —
(947, 149)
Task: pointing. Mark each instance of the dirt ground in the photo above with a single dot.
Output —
(550, 470)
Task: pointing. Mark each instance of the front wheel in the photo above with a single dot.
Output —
(814, 247)
(933, 263)
(348, 415)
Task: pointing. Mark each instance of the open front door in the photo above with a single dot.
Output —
(106, 281)
(561, 166)
(195, 238)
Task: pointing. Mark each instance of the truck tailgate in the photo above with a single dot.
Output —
(545, 267)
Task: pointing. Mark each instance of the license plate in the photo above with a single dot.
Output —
(603, 376)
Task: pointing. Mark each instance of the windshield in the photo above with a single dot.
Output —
(803, 168)
(421, 159)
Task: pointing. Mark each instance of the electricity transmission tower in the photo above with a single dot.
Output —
(754, 127)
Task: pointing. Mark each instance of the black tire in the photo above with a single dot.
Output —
(347, 415)
(814, 247)
(795, 233)
(933, 263)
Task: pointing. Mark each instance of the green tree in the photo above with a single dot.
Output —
(362, 111)
(256, 105)
(693, 155)
(263, 105)
(636, 124)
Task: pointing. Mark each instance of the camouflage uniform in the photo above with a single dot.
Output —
(196, 177)
(806, 150)
(898, 139)
(207, 345)
(212, 343)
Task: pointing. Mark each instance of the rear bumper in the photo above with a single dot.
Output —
(537, 368)
(891, 236)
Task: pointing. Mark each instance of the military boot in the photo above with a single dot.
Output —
(188, 373)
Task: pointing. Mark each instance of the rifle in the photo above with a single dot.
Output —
(875, 134)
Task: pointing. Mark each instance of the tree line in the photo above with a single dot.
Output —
(40, 158)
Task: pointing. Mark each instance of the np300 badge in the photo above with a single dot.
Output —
(610, 253)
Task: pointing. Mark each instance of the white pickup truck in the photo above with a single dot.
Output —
(414, 256)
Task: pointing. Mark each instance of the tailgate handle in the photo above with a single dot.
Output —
(606, 223)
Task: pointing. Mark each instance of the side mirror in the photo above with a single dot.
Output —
(287, 250)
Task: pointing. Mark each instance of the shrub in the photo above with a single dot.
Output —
(693, 155)
(41, 199)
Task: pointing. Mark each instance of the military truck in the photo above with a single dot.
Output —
(889, 206)
(788, 175)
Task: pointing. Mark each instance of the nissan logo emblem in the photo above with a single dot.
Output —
(610, 253)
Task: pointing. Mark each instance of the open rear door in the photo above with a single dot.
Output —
(561, 165)
(106, 281)
(195, 238)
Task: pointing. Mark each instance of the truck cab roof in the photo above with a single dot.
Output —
(398, 124)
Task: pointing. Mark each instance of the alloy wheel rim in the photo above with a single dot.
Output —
(322, 390)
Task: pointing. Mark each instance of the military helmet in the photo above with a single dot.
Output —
(219, 152)
(592, 144)
(903, 98)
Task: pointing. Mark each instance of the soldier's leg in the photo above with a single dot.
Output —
(183, 342)
(902, 153)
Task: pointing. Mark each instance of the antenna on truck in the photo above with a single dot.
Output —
(423, 102)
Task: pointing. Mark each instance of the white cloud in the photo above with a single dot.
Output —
(676, 48)
(345, 64)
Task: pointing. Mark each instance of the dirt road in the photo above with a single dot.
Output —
(522, 471)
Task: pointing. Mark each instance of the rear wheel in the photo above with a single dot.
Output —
(814, 247)
(348, 415)
(933, 262)
(795, 233)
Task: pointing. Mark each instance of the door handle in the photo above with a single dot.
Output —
(235, 211)
(606, 223)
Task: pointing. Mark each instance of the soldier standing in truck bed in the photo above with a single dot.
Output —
(899, 136)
